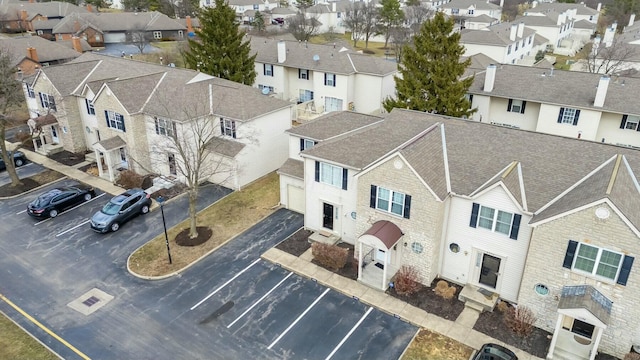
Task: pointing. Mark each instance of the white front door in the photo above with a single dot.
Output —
(54, 135)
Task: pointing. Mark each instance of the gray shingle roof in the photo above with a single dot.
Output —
(465, 4)
(225, 147)
(47, 50)
(45, 24)
(549, 20)
(149, 21)
(292, 167)
(50, 9)
(581, 9)
(300, 55)
(484, 18)
(112, 143)
(333, 124)
(469, 144)
(584, 24)
(570, 88)
(497, 34)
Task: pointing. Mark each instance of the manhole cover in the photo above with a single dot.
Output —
(90, 301)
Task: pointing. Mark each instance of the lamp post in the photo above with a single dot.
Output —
(160, 201)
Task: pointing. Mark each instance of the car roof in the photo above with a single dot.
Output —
(118, 199)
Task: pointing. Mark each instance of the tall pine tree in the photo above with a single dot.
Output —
(221, 49)
(431, 72)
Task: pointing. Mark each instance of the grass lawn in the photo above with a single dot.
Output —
(428, 345)
(227, 218)
(17, 344)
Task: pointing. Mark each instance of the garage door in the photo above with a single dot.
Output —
(113, 38)
(295, 196)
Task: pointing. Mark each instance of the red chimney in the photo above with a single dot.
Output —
(189, 26)
(23, 15)
(76, 26)
(89, 8)
(32, 54)
(75, 41)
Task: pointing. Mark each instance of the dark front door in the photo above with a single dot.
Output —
(489, 270)
(327, 216)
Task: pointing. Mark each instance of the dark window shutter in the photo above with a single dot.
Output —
(86, 103)
(471, 98)
(264, 69)
(575, 117)
(345, 173)
(571, 252)
(122, 122)
(560, 115)
(374, 194)
(474, 215)
(334, 80)
(325, 78)
(157, 129)
(625, 270)
(106, 116)
(175, 132)
(509, 105)
(515, 226)
(407, 206)
(301, 144)
(222, 126)
(317, 171)
(623, 124)
(524, 103)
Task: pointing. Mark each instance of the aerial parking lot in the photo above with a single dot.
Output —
(230, 305)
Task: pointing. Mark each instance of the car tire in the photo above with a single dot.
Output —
(144, 210)
(53, 213)
(19, 162)
(87, 197)
(114, 227)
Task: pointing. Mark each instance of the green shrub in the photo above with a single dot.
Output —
(330, 256)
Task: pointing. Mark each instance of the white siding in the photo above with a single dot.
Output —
(610, 131)
(587, 125)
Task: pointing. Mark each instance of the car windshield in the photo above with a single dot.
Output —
(45, 199)
(111, 208)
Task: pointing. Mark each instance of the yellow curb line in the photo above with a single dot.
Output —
(38, 324)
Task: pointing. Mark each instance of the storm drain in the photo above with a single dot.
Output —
(90, 301)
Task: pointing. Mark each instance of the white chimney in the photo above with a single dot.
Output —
(490, 77)
(632, 18)
(561, 18)
(333, 7)
(609, 34)
(534, 3)
(601, 92)
(282, 51)
(520, 29)
(501, 3)
(514, 31)
(599, 7)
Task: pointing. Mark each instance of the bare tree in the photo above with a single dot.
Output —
(139, 37)
(370, 27)
(354, 20)
(302, 27)
(400, 36)
(598, 58)
(11, 96)
(415, 16)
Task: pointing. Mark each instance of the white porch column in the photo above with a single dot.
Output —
(109, 166)
(384, 270)
(594, 348)
(360, 259)
(99, 162)
(555, 337)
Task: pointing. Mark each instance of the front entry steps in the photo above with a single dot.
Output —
(324, 237)
(478, 298)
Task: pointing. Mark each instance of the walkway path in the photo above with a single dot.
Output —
(460, 330)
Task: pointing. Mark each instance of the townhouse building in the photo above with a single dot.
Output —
(417, 189)
(555, 27)
(469, 9)
(322, 78)
(131, 114)
(506, 43)
(580, 105)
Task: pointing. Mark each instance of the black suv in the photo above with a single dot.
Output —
(494, 352)
(18, 159)
(121, 209)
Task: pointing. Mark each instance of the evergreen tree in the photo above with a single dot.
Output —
(221, 49)
(390, 15)
(431, 72)
(258, 22)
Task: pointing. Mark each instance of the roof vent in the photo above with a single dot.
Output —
(602, 213)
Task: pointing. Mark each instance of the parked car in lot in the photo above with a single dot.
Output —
(494, 352)
(18, 159)
(55, 201)
(121, 209)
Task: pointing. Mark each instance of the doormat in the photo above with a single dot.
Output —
(381, 266)
(488, 294)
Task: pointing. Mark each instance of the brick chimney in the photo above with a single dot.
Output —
(75, 41)
(189, 25)
(76, 26)
(31, 1)
(89, 8)
(23, 15)
(32, 54)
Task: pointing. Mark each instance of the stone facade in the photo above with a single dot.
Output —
(424, 226)
(544, 266)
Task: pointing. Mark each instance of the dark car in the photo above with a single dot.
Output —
(121, 209)
(494, 352)
(18, 159)
(55, 201)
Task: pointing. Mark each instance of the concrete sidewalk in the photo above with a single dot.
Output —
(460, 330)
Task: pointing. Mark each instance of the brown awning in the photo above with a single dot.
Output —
(43, 120)
(575, 300)
(385, 231)
(112, 143)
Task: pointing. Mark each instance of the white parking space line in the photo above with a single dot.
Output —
(259, 300)
(21, 212)
(75, 207)
(225, 284)
(349, 333)
(73, 228)
(298, 319)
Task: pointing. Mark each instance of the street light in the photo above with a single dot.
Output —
(160, 201)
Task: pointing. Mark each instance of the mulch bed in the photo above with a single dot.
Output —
(426, 299)
(296, 244)
(27, 184)
(492, 324)
(204, 234)
(68, 158)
